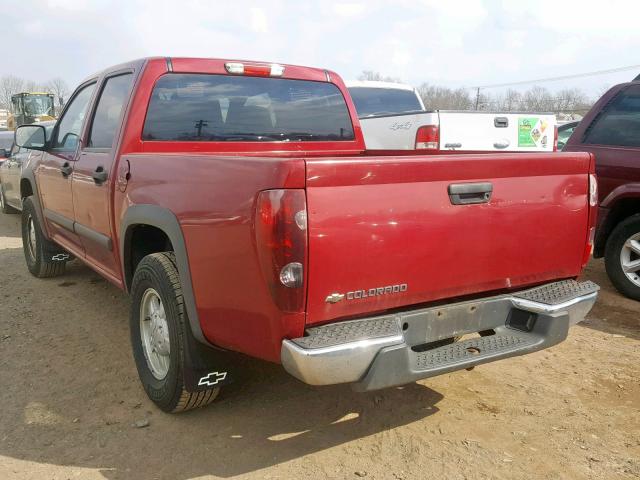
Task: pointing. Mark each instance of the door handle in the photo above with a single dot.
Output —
(99, 175)
(66, 169)
(470, 193)
(501, 122)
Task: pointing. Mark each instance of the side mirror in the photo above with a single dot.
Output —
(31, 136)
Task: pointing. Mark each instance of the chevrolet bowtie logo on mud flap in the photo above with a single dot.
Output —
(212, 378)
(371, 292)
(60, 257)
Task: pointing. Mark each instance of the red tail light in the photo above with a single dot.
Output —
(555, 138)
(593, 204)
(281, 239)
(593, 191)
(428, 138)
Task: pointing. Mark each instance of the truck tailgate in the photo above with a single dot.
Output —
(385, 232)
(490, 132)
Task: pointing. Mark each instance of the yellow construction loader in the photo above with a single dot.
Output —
(31, 107)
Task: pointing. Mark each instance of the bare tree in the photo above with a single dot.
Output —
(9, 86)
(60, 89)
(535, 99)
(509, 101)
(443, 98)
(571, 100)
(377, 77)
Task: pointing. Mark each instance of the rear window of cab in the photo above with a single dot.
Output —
(221, 108)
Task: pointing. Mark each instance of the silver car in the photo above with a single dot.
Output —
(11, 170)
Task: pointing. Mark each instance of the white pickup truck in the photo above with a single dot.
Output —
(393, 117)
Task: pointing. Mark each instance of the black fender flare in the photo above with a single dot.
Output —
(28, 175)
(609, 215)
(165, 220)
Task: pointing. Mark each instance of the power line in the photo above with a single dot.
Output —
(563, 77)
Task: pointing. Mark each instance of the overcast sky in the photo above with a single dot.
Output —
(449, 42)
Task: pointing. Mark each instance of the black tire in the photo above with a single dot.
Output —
(613, 264)
(158, 272)
(44, 258)
(4, 207)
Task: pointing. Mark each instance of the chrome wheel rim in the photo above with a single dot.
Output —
(154, 331)
(630, 259)
(31, 237)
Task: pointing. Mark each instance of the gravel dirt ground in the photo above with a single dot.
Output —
(72, 407)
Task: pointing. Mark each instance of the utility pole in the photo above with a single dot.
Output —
(477, 97)
(200, 124)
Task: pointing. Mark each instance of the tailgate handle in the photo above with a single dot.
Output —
(470, 193)
(501, 122)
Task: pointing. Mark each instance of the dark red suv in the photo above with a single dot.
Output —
(611, 130)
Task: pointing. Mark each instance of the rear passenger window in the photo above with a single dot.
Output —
(619, 123)
(107, 116)
(200, 107)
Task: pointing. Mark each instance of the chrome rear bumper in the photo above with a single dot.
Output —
(399, 348)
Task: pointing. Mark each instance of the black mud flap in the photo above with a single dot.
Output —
(204, 367)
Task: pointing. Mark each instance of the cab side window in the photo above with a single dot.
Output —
(619, 123)
(107, 117)
(70, 126)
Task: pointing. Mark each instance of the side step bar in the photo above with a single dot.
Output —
(399, 348)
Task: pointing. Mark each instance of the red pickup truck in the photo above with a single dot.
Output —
(235, 202)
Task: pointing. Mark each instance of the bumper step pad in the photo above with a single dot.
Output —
(473, 349)
(559, 292)
(352, 331)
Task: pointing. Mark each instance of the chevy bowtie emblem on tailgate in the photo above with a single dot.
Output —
(335, 298)
(371, 292)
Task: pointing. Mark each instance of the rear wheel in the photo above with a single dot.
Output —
(157, 322)
(4, 206)
(622, 257)
(44, 258)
